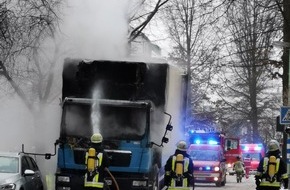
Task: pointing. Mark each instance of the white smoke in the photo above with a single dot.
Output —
(174, 108)
(96, 29)
(17, 125)
(97, 94)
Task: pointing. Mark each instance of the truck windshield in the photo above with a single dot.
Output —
(204, 155)
(113, 122)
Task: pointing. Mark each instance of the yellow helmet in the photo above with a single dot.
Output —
(273, 145)
(181, 145)
(96, 138)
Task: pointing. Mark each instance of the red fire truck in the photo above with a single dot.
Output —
(232, 151)
(211, 152)
(254, 153)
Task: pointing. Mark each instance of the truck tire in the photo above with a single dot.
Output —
(218, 183)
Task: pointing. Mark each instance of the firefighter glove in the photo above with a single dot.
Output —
(257, 180)
(285, 183)
(187, 175)
(173, 174)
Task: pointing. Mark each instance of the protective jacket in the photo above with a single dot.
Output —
(239, 166)
(171, 179)
(95, 179)
(264, 181)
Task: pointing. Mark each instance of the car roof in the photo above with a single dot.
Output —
(11, 154)
(204, 147)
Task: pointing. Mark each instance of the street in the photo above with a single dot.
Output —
(231, 184)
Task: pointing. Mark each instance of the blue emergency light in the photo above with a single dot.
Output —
(207, 168)
(258, 147)
(197, 141)
(213, 142)
(191, 131)
(204, 138)
(245, 148)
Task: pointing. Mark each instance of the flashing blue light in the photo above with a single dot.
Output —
(246, 148)
(197, 141)
(191, 131)
(207, 168)
(258, 148)
(212, 142)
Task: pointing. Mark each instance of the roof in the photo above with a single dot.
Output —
(10, 154)
(204, 147)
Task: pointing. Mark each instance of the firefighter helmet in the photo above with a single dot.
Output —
(96, 138)
(181, 145)
(273, 145)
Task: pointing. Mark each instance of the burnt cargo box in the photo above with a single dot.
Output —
(119, 80)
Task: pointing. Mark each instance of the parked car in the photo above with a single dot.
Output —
(19, 171)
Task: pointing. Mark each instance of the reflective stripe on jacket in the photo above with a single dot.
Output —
(264, 180)
(95, 181)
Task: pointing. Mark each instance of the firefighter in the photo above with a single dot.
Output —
(239, 169)
(272, 171)
(97, 161)
(179, 169)
(247, 162)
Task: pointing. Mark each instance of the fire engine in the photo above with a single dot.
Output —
(254, 152)
(232, 151)
(211, 152)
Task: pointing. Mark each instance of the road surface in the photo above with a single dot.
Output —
(231, 184)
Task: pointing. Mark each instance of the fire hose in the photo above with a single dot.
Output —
(113, 178)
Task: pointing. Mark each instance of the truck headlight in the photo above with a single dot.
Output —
(216, 168)
(8, 186)
(63, 179)
(139, 183)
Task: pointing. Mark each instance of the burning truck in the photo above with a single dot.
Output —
(127, 102)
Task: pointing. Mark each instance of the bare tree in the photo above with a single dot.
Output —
(143, 13)
(24, 25)
(189, 25)
(248, 94)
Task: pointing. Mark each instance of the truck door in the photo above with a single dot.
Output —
(232, 150)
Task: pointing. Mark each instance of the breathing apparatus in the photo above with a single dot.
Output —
(272, 146)
(272, 167)
(91, 159)
(179, 167)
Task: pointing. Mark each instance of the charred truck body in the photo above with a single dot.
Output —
(125, 102)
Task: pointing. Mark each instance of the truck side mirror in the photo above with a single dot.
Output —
(165, 140)
(169, 127)
(47, 156)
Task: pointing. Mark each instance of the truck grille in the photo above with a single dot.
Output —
(79, 155)
(119, 157)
